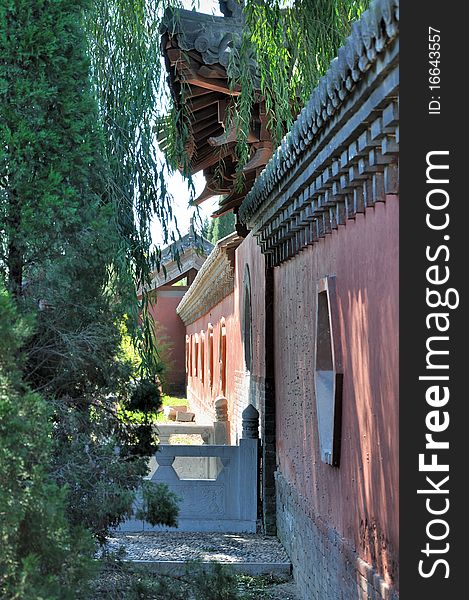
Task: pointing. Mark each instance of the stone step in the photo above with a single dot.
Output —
(169, 552)
(178, 567)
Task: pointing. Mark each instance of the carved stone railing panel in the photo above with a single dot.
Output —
(226, 502)
(166, 430)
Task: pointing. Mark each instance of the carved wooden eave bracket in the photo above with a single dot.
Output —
(197, 49)
(341, 154)
(213, 282)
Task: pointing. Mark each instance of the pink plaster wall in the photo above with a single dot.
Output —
(170, 329)
(360, 498)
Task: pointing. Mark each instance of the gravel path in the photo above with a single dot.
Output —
(284, 591)
(181, 546)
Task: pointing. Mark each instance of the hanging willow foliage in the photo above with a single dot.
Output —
(292, 44)
(127, 76)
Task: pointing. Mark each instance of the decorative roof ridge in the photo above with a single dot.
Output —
(371, 34)
(186, 242)
(213, 282)
(229, 240)
(178, 257)
(211, 35)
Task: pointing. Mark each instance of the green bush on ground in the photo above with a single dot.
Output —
(120, 580)
(123, 581)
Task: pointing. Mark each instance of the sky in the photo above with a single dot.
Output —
(177, 187)
(176, 184)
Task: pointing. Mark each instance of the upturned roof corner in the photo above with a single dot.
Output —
(198, 50)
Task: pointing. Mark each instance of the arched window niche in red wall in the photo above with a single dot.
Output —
(196, 354)
(188, 349)
(222, 356)
(328, 372)
(210, 353)
(202, 356)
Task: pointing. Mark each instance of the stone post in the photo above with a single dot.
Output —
(250, 423)
(210, 463)
(165, 471)
(206, 436)
(249, 463)
(163, 435)
(221, 426)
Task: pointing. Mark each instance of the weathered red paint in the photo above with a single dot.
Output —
(360, 498)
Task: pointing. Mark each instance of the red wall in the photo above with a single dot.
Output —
(170, 329)
(360, 498)
(201, 394)
(241, 387)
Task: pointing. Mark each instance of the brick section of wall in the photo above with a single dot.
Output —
(269, 458)
(257, 392)
(325, 566)
(240, 401)
(248, 389)
(268, 418)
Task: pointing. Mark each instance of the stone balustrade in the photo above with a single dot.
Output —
(224, 501)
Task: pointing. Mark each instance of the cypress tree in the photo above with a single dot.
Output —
(220, 227)
(59, 240)
(50, 152)
(41, 555)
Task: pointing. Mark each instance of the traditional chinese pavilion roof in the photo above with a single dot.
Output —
(197, 49)
(213, 282)
(181, 246)
(179, 258)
